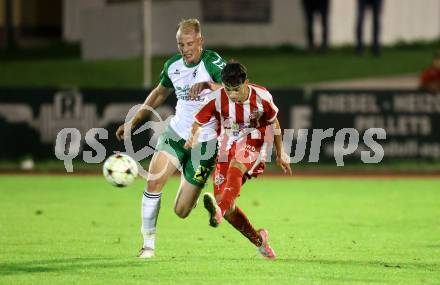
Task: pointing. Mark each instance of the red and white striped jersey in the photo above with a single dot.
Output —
(239, 119)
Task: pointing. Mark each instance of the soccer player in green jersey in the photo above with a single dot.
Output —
(191, 74)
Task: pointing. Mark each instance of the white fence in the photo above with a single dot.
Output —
(407, 20)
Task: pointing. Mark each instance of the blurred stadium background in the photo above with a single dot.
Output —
(83, 63)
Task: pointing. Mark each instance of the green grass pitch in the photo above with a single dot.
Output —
(80, 230)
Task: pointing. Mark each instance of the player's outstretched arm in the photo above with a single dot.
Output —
(156, 97)
(282, 158)
(197, 88)
(192, 139)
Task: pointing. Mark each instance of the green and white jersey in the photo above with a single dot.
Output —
(181, 76)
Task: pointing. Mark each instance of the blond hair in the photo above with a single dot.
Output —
(189, 25)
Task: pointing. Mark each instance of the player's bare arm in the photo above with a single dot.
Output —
(197, 88)
(282, 158)
(156, 97)
(193, 135)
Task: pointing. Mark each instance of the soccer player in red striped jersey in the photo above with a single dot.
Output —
(249, 126)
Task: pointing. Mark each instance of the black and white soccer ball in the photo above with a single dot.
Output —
(120, 170)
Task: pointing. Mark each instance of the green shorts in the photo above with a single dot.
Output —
(196, 164)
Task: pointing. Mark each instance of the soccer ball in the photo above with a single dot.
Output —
(120, 170)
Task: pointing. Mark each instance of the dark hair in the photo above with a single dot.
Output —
(234, 74)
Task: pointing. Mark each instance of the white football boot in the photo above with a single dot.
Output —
(146, 252)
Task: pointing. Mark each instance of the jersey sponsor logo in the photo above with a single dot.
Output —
(176, 72)
(230, 124)
(184, 89)
(235, 129)
(187, 98)
(235, 126)
(219, 179)
(182, 93)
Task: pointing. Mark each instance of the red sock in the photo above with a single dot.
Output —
(232, 188)
(239, 221)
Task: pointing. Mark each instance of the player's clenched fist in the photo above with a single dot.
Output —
(283, 161)
(123, 131)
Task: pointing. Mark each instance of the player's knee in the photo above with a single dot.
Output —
(181, 211)
(155, 185)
